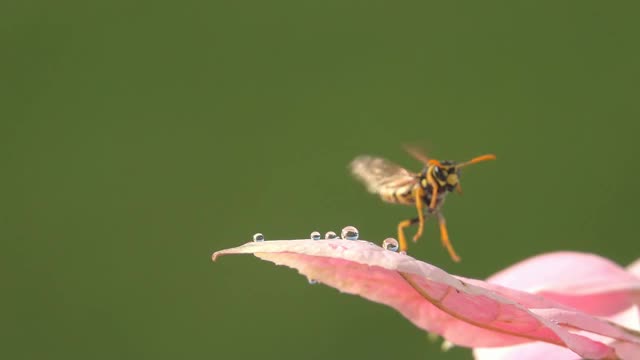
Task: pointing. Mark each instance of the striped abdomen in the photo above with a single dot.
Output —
(405, 195)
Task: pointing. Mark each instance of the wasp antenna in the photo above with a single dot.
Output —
(476, 160)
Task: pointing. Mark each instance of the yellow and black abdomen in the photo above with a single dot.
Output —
(406, 195)
(399, 195)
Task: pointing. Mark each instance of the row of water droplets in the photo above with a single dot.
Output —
(347, 233)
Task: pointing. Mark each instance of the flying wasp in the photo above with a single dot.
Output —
(428, 188)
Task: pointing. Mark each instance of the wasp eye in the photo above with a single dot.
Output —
(439, 173)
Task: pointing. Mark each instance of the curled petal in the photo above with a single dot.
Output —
(586, 282)
(629, 350)
(465, 312)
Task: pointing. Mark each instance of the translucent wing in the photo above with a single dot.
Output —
(380, 175)
(418, 153)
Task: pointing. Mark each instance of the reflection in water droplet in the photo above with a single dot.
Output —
(330, 235)
(390, 244)
(257, 237)
(350, 233)
(315, 235)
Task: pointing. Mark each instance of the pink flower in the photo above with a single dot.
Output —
(586, 282)
(499, 314)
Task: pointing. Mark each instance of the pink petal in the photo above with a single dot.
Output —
(529, 351)
(600, 287)
(539, 350)
(566, 316)
(586, 282)
(627, 350)
(634, 268)
(463, 313)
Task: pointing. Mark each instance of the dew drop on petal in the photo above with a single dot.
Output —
(403, 252)
(315, 235)
(258, 237)
(312, 281)
(390, 244)
(330, 235)
(350, 233)
(446, 346)
(433, 337)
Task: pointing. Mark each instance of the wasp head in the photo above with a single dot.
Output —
(446, 174)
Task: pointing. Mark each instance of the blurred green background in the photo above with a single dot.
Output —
(138, 137)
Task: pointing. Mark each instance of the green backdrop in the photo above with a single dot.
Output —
(137, 137)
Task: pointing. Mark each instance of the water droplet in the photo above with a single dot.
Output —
(330, 235)
(257, 237)
(350, 233)
(312, 281)
(433, 337)
(403, 252)
(446, 346)
(315, 235)
(390, 244)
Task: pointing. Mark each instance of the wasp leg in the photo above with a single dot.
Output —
(401, 226)
(419, 207)
(445, 238)
(434, 192)
(434, 198)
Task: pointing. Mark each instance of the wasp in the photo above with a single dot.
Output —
(395, 184)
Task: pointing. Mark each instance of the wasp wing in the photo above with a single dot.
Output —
(381, 175)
